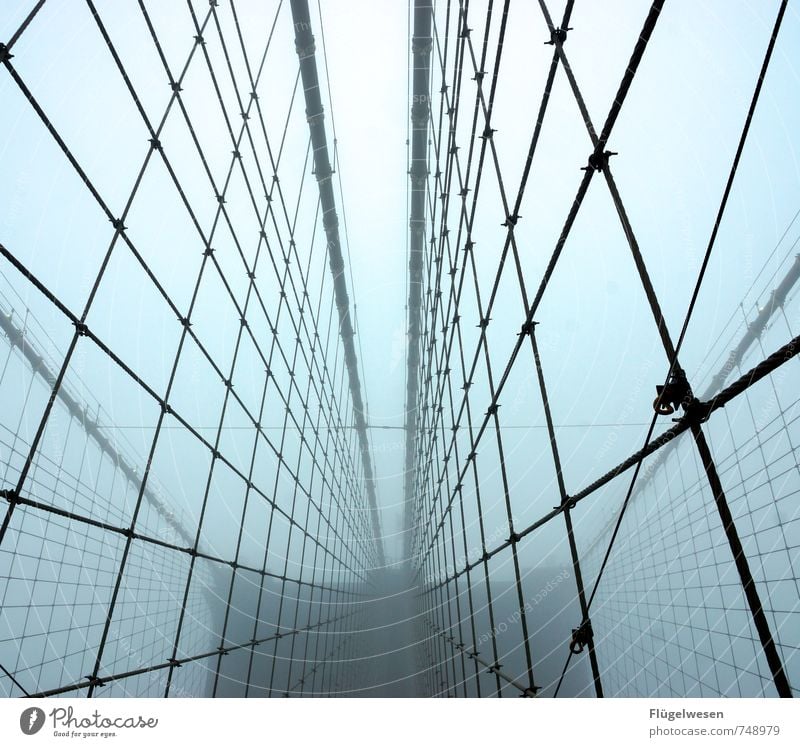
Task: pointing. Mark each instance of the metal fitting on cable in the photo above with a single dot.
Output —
(581, 637)
(558, 36)
(598, 160)
(674, 394)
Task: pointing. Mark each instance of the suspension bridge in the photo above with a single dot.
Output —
(596, 489)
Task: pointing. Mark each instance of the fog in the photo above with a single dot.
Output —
(195, 513)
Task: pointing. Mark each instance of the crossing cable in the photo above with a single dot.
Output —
(166, 665)
(200, 42)
(343, 385)
(463, 192)
(281, 447)
(557, 38)
(18, 339)
(322, 374)
(464, 32)
(487, 137)
(113, 528)
(488, 130)
(15, 681)
(452, 113)
(315, 562)
(79, 322)
(86, 331)
(247, 494)
(623, 89)
(294, 499)
(601, 163)
(443, 189)
(72, 159)
(584, 629)
(767, 366)
(5, 49)
(453, 162)
(598, 161)
(295, 620)
(235, 143)
(752, 332)
(423, 38)
(516, 210)
(525, 692)
(269, 531)
(619, 99)
(286, 551)
(302, 558)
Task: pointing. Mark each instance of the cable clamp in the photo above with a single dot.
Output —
(567, 504)
(558, 36)
(674, 394)
(598, 160)
(696, 411)
(10, 496)
(581, 637)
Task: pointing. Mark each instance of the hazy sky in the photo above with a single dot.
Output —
(676, 137)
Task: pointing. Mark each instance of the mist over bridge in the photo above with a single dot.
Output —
(244, 454)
